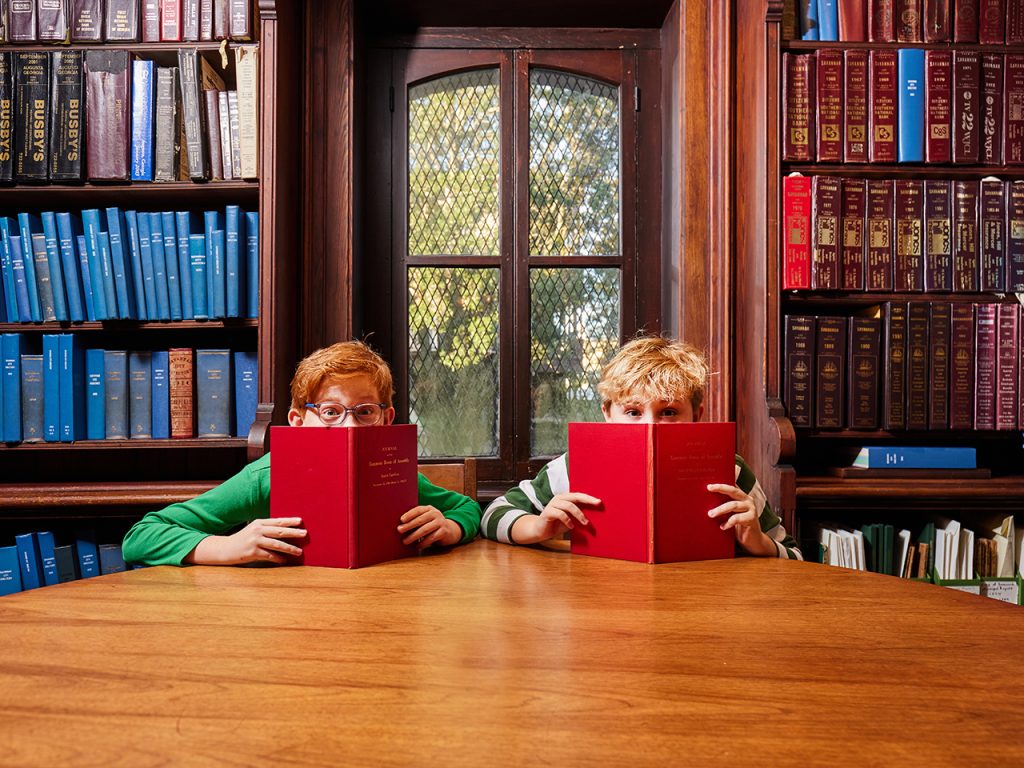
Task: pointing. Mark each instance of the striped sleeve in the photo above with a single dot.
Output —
(528, 498)
(785, 544)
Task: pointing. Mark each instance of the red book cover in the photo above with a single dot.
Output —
(881, 219)
(1013, 110)
(862, 387)
(829, 80)
(1015, 237)
(993, 235)
(894, 361)
(991, 22)
(985, 345)
(881, 21)
(170, 20)
(854, 216)
(938, 241)
(796, 216)
(855, 106)
(961, 367)
(965, 235)
(1007, 365)
(1014, 22)
(965, 21)
(853, 20)
(799, 333)
(991, 109)
(826, 205)
(938, 21)
(350, 486)
(797, 92)
(918, 353)
(966, 109)
(830, 373)
(654, 506)
(883, 93)
(938, 366)
(939, 106)
(908, 21)
(106, 114)
(908, 267)
(151, 21)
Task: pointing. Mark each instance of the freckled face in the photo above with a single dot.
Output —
(656, 412)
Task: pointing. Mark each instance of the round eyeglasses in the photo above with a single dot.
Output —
(366, 414)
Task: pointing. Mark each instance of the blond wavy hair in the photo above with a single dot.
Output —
(335, 363)
(653, 368)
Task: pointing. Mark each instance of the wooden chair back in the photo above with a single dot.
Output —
(458, 476)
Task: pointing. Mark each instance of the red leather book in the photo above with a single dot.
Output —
(966, 277)
(938, 241)
(961, 367)
(170, 20)
(181, 391)
(855, 106)
(800, 372)
(863, 362)
(938, 365)
(106, 114)
(918, 351)
(206, 19)
(894, 365)
(881, 220)
(883, 92)
(654, 505)
(991, 149)
(993, 235)
(21, 21)
(151, 21)
(853, 20)
(966, 110)
(938, 21)
(908, 21)
(965, 21)
(851, 272)
(1007, 365)
(1013, 110)
(991, 22)
(122, 21)
(221, 20)
(830, 373)
(829, 79)
(1020, 371)
(796, 218)
(908, 267)
(1014, 22)
(985, 345)
(350, 486)
(882, 21)
(939, 106)
(797, 89)
(1015, 237)
(826, 207)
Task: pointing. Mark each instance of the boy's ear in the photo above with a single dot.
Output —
(700, 412)
(389, 415)
(606, 409)
(294, 417)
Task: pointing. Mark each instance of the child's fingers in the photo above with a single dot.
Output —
(728, 490)
(289, 522)
(414, 512)
(283, 533)
(421, 519)
(568, 507)
(276, 545)
(421, 531)
(581, 498)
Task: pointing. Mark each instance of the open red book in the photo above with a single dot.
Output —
(349, 485)
(652, 482)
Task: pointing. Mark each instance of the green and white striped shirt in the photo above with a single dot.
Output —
(531, 496)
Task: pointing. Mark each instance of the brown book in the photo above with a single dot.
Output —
(213, 133)
(908, 267)
(966, 110)
(894, 366)
(151, 21)
(21, 20)
(800, 371)
(985, 345)
(938, 79)
(181, 391)
(908, 21)
(52, 21)
(122, 22)
(923, 550)
(966, 277)
(918, 353)
(221, 20)
(826, 209)
(961, 367)
(854, 218)
(863, 360)
(938, 241)
(993, 235)
(1020, 372)
(938, 21)
(1013, 110)
(855, 106)
(881, 208)
(853, 20)
(938, 365)
(829, 79)
(797, 87)
(170, 20)
(190, 21)
(991, 22)
(1015, 237)
(106, 114)
(790, 23)
(240, 22)
(883, 93)
(830, 365)
(206, 19)
(965, 21)
(1014, 22)
(882, 21)
(991, 148)
(86, 21)
(1007, 365)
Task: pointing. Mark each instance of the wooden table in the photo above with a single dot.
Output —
(493, 655)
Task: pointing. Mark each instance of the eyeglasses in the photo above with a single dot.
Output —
(330, 414)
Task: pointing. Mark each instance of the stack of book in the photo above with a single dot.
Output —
(36, 560)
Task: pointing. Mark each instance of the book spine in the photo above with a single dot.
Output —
(938, 21)
(966, 275)
(151, 21)
(1015, 237)
(115, 386)
(234, 129)
(111, 559)
(1013, 110)
(183, 229)
(52, 21)
(938, 242)
(170, 20)
(1014, 22)
(86, 21)
(221, 22)
(790, 22)
(826, 202)
(67, 118)
(107, 262)
(67, 563)
(985, 345)
(246, 395)
(121, 263)
(830, 381)
(156, 248)
(140, 394)
(854, 212)
(142, 120)
(240, 24)
(181, 386)
(200, 290)
(908, 268)
(166, 144)
(233, 262)
(211, 223)
(103, 300)
(863, 372)
(918, 348)
(160, 394)
(85, 551)
(27, 224)
(796, 196)
(961, 367)
(32, 115)
(908, 21)
(965, 21)
(107, 118)
(206, 19)
(122, 21)
(883, 98)
(48, 563)
(993, 235)
(194, 113)
(247, 79)
(213, 134)
(72, 389)
(991, 149)
(6, 116)
(190, 21)
(171, 264)
(214, 402)
(829, 80)
(28, 560)
(1007, 364)
(991, 22)
(50, 370)
(938, 100)
(95, 397)
(219, 274)
(21, 21)
(69, 265)
(223, 114)
(939, 366)
(853, 20)
(139, 286)
(855, 106)
(882, 21)
(44, 284)
(18, 277)
(966, 108)
(797, 87)
(894, 407)
(86, 275)
(910, 124)
(881, 218)
(252, 266)
(800, 369)
(33, 417)
(53, 260)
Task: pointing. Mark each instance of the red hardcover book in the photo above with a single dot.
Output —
(829, 80)
(1007, 365)
(991, 22)
(961, 367)
(966, 109)
(938, 21)
(1015, 237)
(965, 21)
(170, 20)
(221, 20)
(918, 353)
(985, 345)
(830, 373)
(853, 20)
(908, 21)
(883, 93)
(855, 106)
(654, 506)
(965, 235)
(350, 486)
(991, 109)
(908, 267)
(206, 19)
(894, 363)
(938, 365)
(106, 114)
(938, 241)
(181, 391)
(863, 361)
(796, 217)
(939, 106)
(1013, 110)
(151, 21)
(881, 21)
(1020, 371)
(797, 89)
(800, 375)
(826, 206)
(881, 219)
(1014, 22)
(993, 235)
(852, 251)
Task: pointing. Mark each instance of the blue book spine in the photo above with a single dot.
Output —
(72, 389)
(161, 397)
(10, 571)
(197, 257)
(95, 400)
(214, 407)
(27, 224)
(212, 221)
(6, 270)
(85, 271)
(115, 391)
(131, 242)
(69, 266)
(111, 559)
(828, 20)
(120, 258)
(108, 275)
(12, 347)
(88, 556)
(67, 563)
(245, 392)
(916, 457)
(51, 387)
(47, 558)
(219, 277)
(183, 227)
(808, 10)
(140, 394)
(20, 283)
(171, 263)
(910, 119)
(2, 406)
(252, 264)
(44, 287)
(142, 120)
(97, 278)
(53, 259)
(32, 398)
(146, 257)
(156, 246)
(234, 264)
(28, 559)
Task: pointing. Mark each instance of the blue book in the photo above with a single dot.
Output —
(212, 223)
(41, 265)
(828, 20)
(54, 262)
(146, 260)
(171, 263)
(85, 272)
(808, 11)
(219, 275)
(47, 559)
(234, 261)
(111, 559)
(246, 394)
(95, 400)
(142, 120)
(183, 228)
(108, 275)
(156, 247)
(131, 244)
(11, 302)
(32, 398)
(140, 394)
(12, 347)
(27, 224)
(197, 257)
(28, 559)
(910, 119)
(915, 457)
(1, 391)
(214, 406)
(252, 264)
(72, 389)
(10, 571)
(20, 283)
(115, 391)
(120, 258)
(67, 563)
(104, 301)
(70, 266)
(51, 387)
(161, 396)
(88, 556)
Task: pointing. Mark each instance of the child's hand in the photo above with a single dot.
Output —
(259, 541)
(561, 514)
(742, 517)
(426, 526)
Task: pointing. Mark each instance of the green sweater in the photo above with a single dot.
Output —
(167, 536)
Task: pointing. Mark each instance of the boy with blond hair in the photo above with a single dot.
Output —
(649, 380)
(345, 385)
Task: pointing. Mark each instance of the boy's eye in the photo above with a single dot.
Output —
(329, 411)
(669, 413)
(633, 412)
(366, 410)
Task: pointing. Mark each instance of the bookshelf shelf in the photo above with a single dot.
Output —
(832, 299)
(130, 325)
(132, 47)
(904, 170)
(39, 496)
(803, 46)
(1004, 494)
(116, 445)
(909, 436)
(168, 195)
